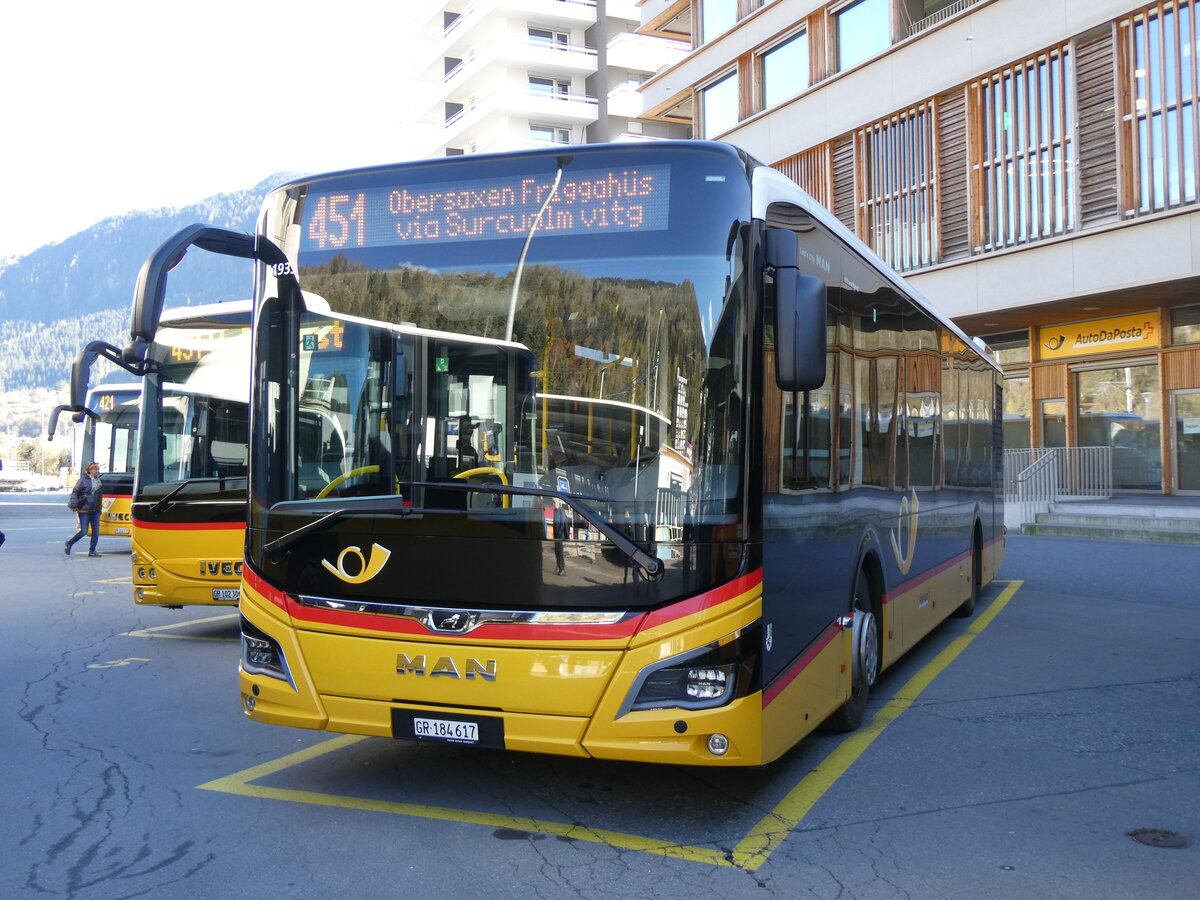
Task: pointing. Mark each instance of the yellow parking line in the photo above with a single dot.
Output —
(770, 832)
(239, 784)
(750, 853)
(155, 631)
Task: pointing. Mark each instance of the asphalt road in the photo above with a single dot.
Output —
(1015, 754)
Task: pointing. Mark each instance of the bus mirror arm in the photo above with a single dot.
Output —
(81, 370)
(150, 291)
(80, 414)
(82, 366)
(800, 343)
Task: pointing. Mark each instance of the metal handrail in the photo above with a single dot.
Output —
(1037, 478)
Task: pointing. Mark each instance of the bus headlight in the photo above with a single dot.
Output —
(262, 655)
(704, 678)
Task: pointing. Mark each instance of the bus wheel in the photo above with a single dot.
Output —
(864, 662)
(968, 605)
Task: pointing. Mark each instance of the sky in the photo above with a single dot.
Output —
(133, 104)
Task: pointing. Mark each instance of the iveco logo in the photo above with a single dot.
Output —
(225, 568)
(365, 569)
(469, 669)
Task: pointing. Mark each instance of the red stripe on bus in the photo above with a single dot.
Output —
(800, 665)
(264, 589)
(924, 576)
(699, 603)
(190, 526)
(518, 633)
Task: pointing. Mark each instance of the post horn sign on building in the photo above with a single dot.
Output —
(1137, 331)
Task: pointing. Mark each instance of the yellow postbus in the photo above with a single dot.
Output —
(181, 432)
(189, 495)
(106, 420)
(629, 452)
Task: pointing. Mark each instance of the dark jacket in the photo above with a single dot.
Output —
(83, 498)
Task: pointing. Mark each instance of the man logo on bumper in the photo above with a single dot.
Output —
(367, 568)
(444, 666)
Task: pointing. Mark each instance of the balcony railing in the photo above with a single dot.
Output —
(468, 61)
(476, 7)
(548, 99)
(1037, 477)
(940, 16)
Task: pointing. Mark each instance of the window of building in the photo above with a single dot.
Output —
(1121, 407)
(1018, 413)
(719, 105)
(864, 29)
(1160, 50)
(783, 70)
(549, 87)
(547, 37)
(1011, 348)
(716, 17)
(549, 134)
(1185, 325)
(897, 205)
(1025, 170)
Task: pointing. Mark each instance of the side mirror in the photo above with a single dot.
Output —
(800, 302)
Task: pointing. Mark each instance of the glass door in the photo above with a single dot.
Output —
(1119, 407)
(1185, 411)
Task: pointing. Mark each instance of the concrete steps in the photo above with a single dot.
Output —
(1120, 521)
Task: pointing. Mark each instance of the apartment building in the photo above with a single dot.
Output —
(494, 75)
(1029, 165)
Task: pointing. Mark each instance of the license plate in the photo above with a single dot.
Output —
(457, 728)
(120, 531)
(225, 595)
(446, 730)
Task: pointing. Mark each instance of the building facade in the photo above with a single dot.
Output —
(1030, 165)
(495, 75)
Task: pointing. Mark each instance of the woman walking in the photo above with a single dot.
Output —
(86, 498)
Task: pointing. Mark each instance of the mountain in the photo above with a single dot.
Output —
(63, 295)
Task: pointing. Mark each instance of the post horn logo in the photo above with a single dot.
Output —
(1056, 343)
(907, 527)
(366, 568)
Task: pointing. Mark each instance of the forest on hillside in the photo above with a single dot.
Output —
(36, 355)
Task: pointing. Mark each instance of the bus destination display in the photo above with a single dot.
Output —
(591, 202)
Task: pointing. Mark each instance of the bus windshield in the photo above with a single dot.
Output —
(196, 393)
(571, 324)
(110, 439)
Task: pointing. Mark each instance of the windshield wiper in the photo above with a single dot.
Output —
(651, 565)
(166, 498)
(278, 548)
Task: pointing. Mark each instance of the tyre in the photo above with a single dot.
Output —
(865, 658)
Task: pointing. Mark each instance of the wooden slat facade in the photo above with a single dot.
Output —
(1096, 87)
(954, 215)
